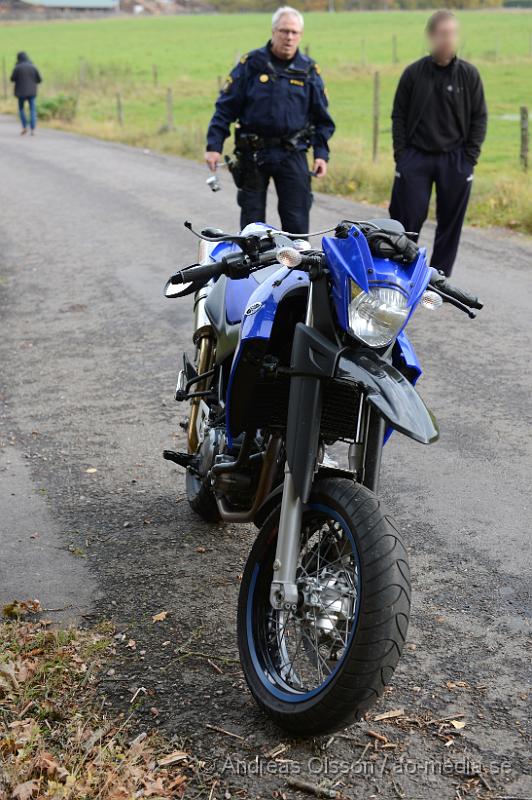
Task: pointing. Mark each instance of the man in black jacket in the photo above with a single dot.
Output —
(26, 76)
(439, 124)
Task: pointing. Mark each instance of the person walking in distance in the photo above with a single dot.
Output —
(26, 77)
(439, 122)
(277, 98)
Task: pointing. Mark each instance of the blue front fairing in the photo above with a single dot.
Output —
(350, 259)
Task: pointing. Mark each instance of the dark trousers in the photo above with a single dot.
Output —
(292, 183)
(415, 174)
(33, 113)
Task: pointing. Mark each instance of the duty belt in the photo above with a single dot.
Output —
(254, 142)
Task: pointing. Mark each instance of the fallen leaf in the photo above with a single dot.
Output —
(8, 671)
(399, 712)
(160, 616)
(47, 763)
(91, 470)
(132, 644)
(19, 608)
(201, 549)
(154, 787)
(25, 790)
(172, 758)
(458, 724)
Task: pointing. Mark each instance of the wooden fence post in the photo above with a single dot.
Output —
(119, 111)
(170, 110)
(154, 74)
(395, 58)
(376, 111)
(525, 140)
(4, 77)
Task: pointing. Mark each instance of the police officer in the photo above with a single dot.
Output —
(439, 124)
(277, 98)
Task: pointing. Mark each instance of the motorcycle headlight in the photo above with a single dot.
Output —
(377, 317)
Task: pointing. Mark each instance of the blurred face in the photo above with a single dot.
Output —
(286, 37)
(444, 41)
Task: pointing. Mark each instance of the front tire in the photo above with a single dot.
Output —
(352, 616)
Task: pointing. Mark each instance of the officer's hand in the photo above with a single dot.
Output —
(212, 160)
(320, 167)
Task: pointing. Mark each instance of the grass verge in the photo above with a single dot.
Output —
(55, 740)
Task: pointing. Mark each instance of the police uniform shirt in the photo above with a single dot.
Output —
(273, 99)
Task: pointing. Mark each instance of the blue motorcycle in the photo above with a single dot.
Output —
(297, 350)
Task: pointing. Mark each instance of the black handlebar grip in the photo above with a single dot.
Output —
(464, 297)
(202, 272)
(469, 300)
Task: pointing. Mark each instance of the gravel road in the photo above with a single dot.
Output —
(95, 523)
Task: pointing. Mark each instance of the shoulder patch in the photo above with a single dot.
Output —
(244, 58)
(317, 68)
(227, 84)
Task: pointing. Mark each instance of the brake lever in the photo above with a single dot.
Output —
(454, 302)
(248, 244)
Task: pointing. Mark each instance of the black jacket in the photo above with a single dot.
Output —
(25, 76)
(414, 88)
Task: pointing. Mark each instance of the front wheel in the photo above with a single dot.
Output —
(319, 668)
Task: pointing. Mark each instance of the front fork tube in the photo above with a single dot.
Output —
(365, 454)
(283, 592)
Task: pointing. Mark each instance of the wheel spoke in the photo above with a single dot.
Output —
(305, 645)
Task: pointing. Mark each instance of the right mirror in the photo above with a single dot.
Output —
(176, 288)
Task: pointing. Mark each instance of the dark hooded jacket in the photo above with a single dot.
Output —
(25, 76)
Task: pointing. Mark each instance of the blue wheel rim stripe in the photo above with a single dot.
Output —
(300, 697)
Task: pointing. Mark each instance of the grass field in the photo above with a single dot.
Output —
(97, 59)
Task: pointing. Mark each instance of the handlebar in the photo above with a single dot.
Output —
(453, 293)
(199, 272)
(235, 265)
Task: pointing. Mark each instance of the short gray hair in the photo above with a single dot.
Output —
(284, 11)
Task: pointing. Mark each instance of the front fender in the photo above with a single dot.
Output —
(390, 393)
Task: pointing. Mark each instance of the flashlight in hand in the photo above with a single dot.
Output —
(213, 183)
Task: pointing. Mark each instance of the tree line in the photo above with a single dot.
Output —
(353, 5)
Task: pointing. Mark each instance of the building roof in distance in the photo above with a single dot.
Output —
(95, 4)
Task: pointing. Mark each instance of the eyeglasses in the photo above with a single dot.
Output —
(288, 32)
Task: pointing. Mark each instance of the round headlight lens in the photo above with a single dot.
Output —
(377, 317)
